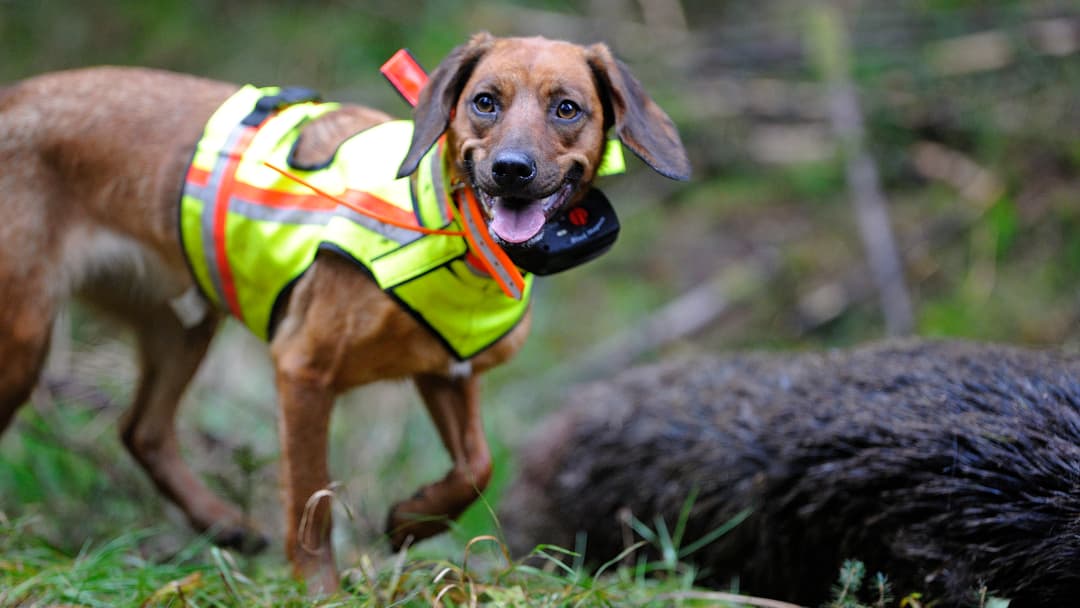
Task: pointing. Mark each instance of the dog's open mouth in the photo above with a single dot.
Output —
(516, 221)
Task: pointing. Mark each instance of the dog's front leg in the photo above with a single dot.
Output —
(303, 426)
(454, 406)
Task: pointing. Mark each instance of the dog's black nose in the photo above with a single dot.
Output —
(512, 169)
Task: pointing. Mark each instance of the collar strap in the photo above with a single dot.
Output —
(495, 261)
(268, 104)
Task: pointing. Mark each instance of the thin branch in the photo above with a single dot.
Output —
(831, 46)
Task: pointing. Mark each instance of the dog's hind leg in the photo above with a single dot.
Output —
(169, 356)
(29, 291)
(25, 327)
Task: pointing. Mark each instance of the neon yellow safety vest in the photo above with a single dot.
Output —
(249, 233)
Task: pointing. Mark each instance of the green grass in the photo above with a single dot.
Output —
(118, 573)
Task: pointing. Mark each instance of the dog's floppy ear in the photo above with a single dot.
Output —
(439, 96)
(640, 124)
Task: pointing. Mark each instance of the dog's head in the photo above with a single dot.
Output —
(526, 120)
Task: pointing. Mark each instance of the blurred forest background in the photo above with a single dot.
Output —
(804, 121)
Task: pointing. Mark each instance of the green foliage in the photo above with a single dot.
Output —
(846, 591)
(849, 592)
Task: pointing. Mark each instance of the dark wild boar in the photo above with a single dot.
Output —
(947, 465)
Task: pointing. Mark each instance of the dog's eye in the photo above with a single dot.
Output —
(567, 110)
(484, 103)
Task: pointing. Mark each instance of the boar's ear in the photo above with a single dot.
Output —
(640, 124)
(439, 96)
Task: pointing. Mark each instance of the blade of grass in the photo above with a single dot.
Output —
(737, 519)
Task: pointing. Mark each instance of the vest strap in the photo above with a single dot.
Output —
(268, 104)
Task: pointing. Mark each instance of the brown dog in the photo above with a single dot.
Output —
(91, 168)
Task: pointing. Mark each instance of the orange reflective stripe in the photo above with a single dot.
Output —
(221, 213)
(362, 202)
(205, 186)
(197, 176)
(371, 206)
(280, 199)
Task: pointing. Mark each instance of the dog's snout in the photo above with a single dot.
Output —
(513, 169)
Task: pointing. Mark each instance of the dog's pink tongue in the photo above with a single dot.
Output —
(517, 224)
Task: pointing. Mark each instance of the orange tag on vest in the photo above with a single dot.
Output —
(403, 71)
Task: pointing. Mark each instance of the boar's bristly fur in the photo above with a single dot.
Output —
(949, 466)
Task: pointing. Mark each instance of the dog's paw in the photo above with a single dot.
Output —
(240, 538)
(404, 526)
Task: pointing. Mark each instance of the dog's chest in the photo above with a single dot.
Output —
(415, 351)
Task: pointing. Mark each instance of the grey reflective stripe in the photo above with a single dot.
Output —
(264, 213)
(208, 194)
(489, 255)
(285, 215)
(437, 183)
(402, 236)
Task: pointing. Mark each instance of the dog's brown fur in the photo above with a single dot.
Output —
(91, 166)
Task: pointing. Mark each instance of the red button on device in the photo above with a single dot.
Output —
(579, 216)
